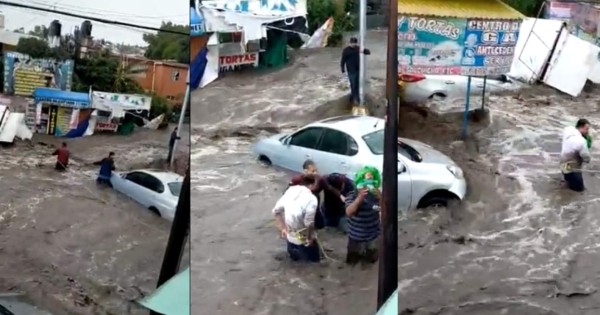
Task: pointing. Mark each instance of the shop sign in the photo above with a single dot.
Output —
(196, 22)
(52, 120)
(585, 21)
(23, 74)
(430, 45)
(234, 62)
(103, 126)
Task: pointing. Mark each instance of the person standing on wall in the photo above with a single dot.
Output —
(350, 63)
(174, 137)
(62, 157)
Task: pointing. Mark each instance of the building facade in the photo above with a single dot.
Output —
(165, 78)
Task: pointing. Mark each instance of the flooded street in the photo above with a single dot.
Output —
(69, 246)
(519, 244)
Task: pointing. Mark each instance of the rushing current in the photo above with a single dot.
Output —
(69, 246)
(519, 244)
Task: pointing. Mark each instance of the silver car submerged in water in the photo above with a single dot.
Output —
(345, 144)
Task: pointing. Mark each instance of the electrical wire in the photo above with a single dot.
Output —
(100, 20)
(95, 11)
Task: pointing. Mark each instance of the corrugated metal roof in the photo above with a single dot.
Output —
(485, 9)
(12, 38)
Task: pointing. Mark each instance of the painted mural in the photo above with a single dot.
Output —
(260, 7)
(22, 74)
(429, 45)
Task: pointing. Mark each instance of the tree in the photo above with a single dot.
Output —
(170, 46)
(34, 47)
(40, 31)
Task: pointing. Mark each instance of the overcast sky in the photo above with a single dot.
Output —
(143, 12)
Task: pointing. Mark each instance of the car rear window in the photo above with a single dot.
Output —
(175, 188)
(374, 141)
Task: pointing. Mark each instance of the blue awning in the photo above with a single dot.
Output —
(59, 97)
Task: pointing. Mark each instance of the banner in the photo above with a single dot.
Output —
(22, 74)
(196, 22)
(585, 20)
(432, 45)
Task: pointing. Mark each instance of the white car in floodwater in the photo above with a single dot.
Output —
(418, 88)
(156, 190)
(345, 144)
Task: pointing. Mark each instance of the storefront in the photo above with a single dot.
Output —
(59, 113)
(114, 110)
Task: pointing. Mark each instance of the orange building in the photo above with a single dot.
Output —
(165, 78)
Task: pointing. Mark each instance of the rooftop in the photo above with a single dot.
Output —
(490, 9)
(12, 38)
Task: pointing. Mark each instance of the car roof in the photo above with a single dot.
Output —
(165, 176)
(357, 126)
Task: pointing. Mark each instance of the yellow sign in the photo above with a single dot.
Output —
(25, 81)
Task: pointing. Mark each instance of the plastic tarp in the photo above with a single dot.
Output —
(320, 37)
(80, 131)
(173, 297)
(211, 72)
(198, 67)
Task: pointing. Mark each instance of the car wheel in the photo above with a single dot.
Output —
(264, 160)
(437, 97)
(155, 211)
(437, 199)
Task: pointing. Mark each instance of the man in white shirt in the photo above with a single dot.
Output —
(574, 153)
(295, 217)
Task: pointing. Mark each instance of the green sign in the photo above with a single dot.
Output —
(431, 45)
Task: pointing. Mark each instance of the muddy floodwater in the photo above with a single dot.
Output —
(519, 244)
(69, 246)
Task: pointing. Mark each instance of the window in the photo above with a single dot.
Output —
(374, 141)
(175, 188)
(307, 138)
(175, 75)
(337, 142)
(147, 181)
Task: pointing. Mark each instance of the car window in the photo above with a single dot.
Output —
(374, 141)
(175, 188)
(307, 138)
(147, 181)
(338, 142)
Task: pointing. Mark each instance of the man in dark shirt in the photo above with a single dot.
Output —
(62, 157)
(107, 165)
(350, 63)
(362, 209)
(174, 137)
(333, 208)
(309, 168)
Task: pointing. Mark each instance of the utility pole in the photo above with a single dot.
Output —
(186, 100)
(388, 256)
(361, 43)
(179, 232)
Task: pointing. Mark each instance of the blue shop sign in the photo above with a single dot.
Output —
(490, 45)
(196, 23)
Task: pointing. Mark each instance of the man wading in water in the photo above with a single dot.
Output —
(295, 217)
(363, 211)
(62, 157)
(107, 166)
(575, 151)
(321, 184)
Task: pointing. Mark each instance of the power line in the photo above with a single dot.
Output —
(24, 6)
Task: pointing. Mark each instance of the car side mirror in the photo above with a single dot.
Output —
(286, 140)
